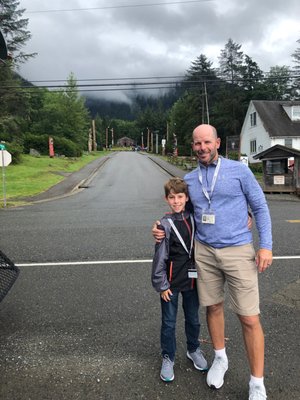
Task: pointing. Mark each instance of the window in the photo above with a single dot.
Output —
(253, 119)
(288, 142)
(276, 167)
(296, 113)
(253, 146)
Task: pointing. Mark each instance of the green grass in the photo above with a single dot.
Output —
(37, 174)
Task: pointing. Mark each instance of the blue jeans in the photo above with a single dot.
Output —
(190, 305)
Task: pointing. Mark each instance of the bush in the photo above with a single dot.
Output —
(62, 146)
(256, 167)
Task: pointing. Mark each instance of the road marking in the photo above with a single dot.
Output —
(49, 264)
(293, 221)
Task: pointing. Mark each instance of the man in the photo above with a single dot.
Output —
(221, 191)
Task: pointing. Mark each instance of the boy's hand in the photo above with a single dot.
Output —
(158, 234)
(250, 221)
(166, 295)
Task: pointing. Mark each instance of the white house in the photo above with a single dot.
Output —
(268, 123)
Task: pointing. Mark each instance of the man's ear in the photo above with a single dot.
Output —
(218, 143)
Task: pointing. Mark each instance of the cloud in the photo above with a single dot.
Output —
(157, 40)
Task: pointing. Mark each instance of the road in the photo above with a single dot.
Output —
(82, 320)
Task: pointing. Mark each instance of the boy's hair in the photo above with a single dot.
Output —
(176, 185)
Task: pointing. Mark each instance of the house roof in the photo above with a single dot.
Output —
(277, 151)
(274, 118)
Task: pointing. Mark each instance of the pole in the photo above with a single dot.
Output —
(106, 138)
(156, 135)
(94, 136)
(148, 139)
(112, 137)
(3, 179)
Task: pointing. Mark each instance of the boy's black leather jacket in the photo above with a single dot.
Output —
(171, 261)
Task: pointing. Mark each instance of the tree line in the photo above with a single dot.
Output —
(206, 94)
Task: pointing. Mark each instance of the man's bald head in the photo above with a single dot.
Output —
(205, 129)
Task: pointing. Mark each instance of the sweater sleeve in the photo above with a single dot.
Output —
(259, 207)
(159, 265)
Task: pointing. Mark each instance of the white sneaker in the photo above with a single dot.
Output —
(215, 375)
(257, 392)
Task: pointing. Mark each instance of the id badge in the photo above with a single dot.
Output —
(208, 217)
(192, 273)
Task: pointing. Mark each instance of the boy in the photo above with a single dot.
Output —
(173, 272)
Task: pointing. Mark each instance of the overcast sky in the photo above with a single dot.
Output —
(146, 38)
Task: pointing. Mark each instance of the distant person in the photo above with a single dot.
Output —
(174, 273)
(221, 191)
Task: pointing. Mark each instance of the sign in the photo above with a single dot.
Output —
(244, 160)
(5, 158)
(279, 180)
(163, 142)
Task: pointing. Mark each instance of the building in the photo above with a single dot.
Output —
(268, 123)
(125, 142)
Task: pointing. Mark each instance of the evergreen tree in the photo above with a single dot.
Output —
(278, 82)
(296, 69)
(231, 63)
(14, 28)
(197, 80)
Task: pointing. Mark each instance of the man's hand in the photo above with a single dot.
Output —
(166, 295)
(263, 259)
(158, 234)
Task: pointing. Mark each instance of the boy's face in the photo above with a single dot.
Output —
(177, 201)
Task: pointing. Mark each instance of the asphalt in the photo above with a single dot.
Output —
(72, 183)
(80, 179)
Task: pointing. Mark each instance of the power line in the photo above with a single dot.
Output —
(117, 7)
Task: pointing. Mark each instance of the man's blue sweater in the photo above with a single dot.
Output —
(236, 188)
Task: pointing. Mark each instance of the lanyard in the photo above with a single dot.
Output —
(204, 190)
(180, 237)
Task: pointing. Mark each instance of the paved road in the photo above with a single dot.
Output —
(91, 331)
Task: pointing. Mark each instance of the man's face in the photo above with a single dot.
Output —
(205, 145)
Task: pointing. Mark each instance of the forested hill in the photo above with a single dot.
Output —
(130, 110)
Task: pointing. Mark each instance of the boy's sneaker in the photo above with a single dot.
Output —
(215, 375)
(167, 371)
(198, 359)
(257, 392)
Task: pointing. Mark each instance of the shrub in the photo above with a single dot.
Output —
(62, 146)
(256, 167)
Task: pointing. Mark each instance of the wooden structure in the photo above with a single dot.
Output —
(280, 173)
(125, 142)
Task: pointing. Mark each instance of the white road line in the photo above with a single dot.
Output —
(49, 264)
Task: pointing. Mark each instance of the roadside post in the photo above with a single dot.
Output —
(5, 160)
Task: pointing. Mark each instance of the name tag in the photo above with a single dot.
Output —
(192, 273)
(208, 218)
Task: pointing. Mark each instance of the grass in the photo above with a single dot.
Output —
(37, 174)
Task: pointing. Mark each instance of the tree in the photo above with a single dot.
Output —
(296, 68)
(197, 81)
(231, 63)
(14, 28)
(278, 82)
(64, 114)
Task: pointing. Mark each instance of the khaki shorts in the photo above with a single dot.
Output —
(235, 265)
